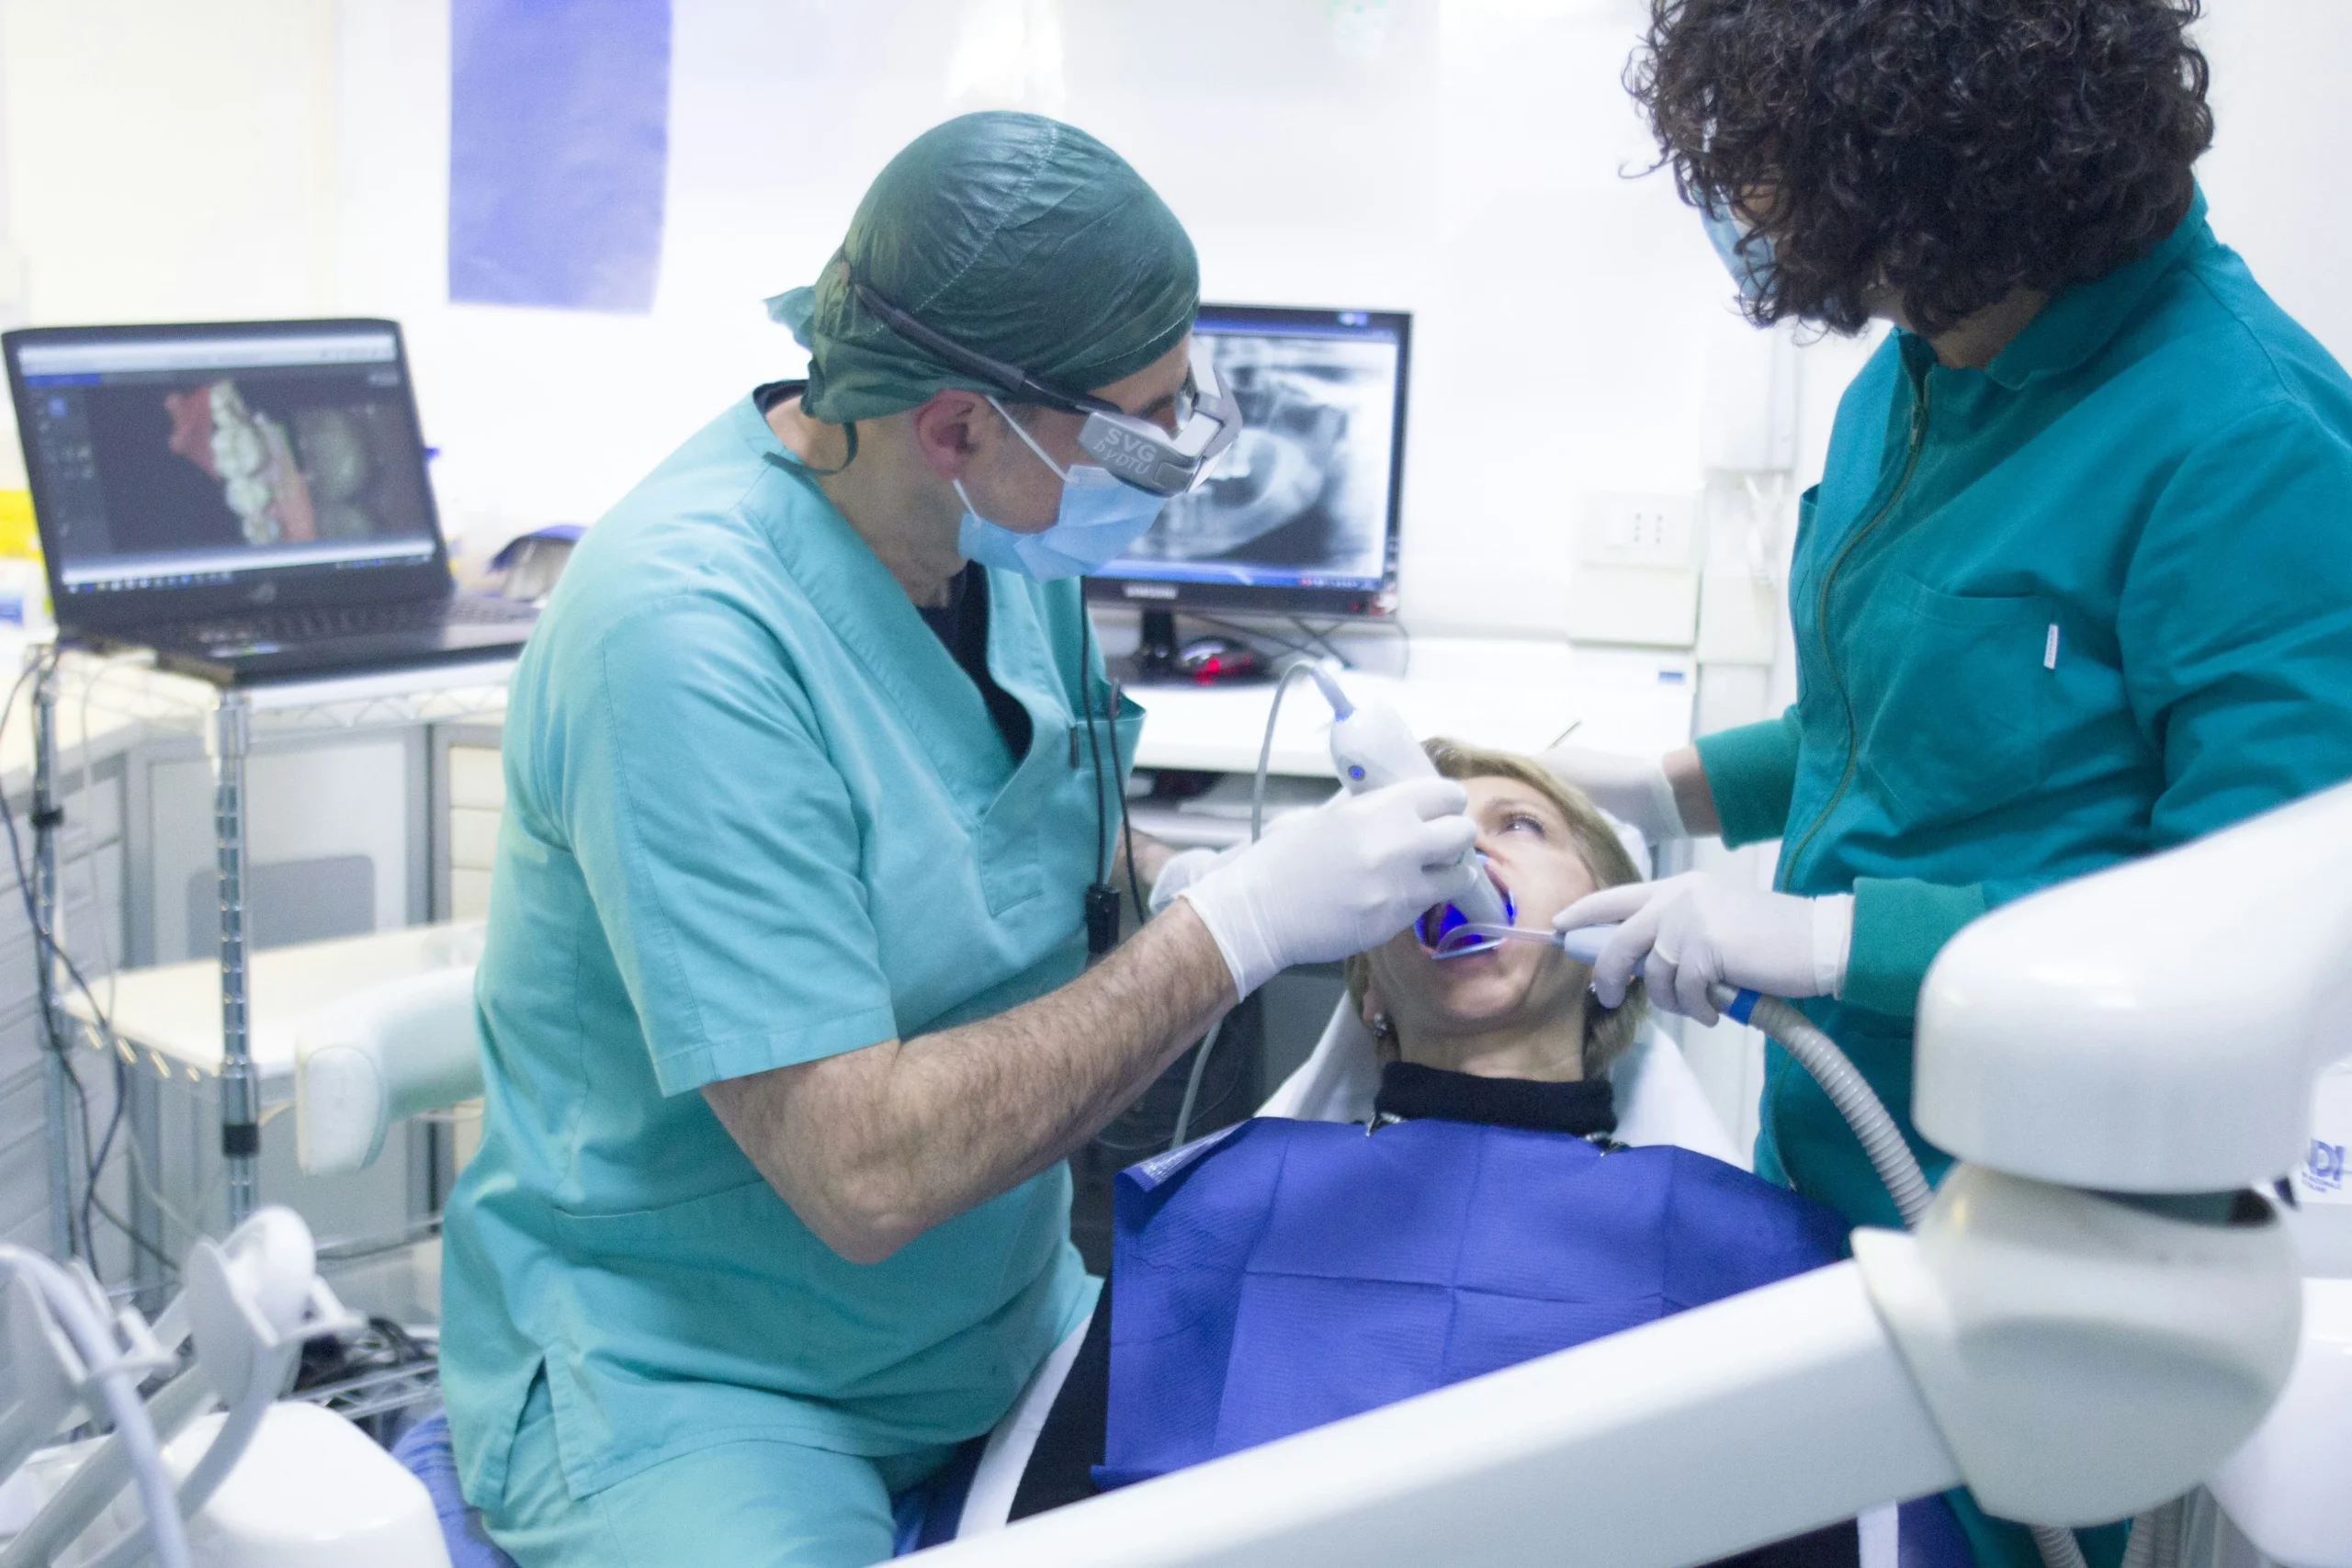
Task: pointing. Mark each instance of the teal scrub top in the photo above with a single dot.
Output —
(756, 814)
(2079, 606)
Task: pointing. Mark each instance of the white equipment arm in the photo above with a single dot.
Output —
(249, 1304)
(371, 1060)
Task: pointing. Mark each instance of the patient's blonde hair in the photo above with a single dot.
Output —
(1607, 1032)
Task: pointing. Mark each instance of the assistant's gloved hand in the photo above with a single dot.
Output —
(1687, 932)
(1336, 879)
(1632, 789)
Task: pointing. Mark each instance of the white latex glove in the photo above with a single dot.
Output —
(1632, 789)
(1688, 932)
(1184, 868)
(1337, 879)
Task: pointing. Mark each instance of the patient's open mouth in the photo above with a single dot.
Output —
(1436, 924)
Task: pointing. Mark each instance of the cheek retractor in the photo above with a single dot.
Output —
(1448, 932)
(1583, 944)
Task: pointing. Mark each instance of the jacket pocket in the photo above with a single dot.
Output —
(1953, 701)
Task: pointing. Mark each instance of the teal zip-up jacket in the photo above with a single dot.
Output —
(2081, 605)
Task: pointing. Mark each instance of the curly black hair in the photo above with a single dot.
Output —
(1940, 153)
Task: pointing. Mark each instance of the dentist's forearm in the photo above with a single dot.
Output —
(874, 1146)
(1151, 857)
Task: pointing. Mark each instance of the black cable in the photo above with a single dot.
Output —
(337, 1252)
(45, 955)
(1322, 640)
(1254, 633)
(98, 1157)
(1100, 905)
(1119, 784)
(47, 951)
(1086, 702)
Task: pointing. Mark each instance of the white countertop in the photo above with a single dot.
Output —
(1510, 696)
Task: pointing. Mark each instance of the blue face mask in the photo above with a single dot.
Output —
(1751, 270)
(1099, 518)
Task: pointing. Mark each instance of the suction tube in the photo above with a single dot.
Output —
(1897, 1168)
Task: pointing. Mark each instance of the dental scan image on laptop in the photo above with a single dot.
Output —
(249, 499)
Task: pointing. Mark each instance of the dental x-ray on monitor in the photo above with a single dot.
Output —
(1300, 516)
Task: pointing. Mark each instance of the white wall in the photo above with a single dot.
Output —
(2275, 176)
(1465, 159)
(1461, 159)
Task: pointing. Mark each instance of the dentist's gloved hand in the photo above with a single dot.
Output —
(1633, 790)
(1688, 932)
(1337, 879)
(1186, 867)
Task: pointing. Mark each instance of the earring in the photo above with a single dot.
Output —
(1381, 1029)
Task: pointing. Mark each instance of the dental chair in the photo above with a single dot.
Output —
(1658, 1101)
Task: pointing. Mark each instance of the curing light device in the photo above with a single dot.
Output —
(1371, 748)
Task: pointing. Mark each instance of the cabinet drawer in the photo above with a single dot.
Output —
(477, 779)
(473, 838)
(468, 893)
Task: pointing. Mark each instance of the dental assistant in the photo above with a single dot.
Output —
(786, 1012)
(2076, 582)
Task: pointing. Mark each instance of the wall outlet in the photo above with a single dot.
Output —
(1658, 531)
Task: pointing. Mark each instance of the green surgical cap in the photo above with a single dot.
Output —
(1014, 235)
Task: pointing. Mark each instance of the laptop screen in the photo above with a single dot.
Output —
(183, 461)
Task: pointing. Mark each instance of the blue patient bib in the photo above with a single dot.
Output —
(1290, 1273)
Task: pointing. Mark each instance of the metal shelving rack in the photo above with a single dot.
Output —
(230, 719)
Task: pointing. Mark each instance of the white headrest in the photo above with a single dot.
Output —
(1658, 1100)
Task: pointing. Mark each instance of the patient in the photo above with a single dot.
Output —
(1284, 1274)
(1518, 1016)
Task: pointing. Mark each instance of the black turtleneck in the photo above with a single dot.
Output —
(1410, 1092)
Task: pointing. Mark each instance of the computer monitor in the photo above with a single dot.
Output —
(217, 464)
(1300, 515)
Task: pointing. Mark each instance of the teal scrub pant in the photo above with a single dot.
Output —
(746, 1504)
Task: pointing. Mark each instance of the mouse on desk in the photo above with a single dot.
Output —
(1208, 660)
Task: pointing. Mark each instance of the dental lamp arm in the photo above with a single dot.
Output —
(1594, 1455)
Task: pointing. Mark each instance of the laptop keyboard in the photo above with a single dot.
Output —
(323, 624)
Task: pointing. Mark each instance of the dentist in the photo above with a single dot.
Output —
(812, 773)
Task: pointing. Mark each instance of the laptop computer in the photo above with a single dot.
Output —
(248, 498)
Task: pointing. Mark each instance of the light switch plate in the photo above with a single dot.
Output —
(1656, 530)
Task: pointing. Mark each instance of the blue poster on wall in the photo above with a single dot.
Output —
(559, 151)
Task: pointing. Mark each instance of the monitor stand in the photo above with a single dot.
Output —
(1155, 655)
